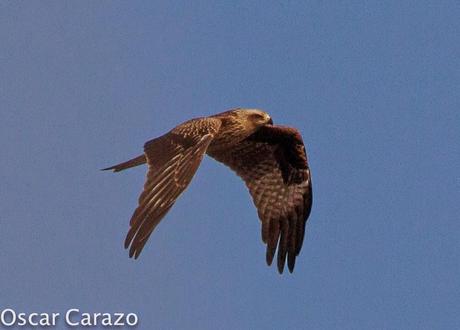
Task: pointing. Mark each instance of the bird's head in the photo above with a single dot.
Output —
(254, 118)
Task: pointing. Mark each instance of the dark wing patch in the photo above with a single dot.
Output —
(273, 164)
(173, 160)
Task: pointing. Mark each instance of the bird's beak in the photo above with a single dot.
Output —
(270, 121)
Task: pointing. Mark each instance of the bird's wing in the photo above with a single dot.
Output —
(173, 160)
(273, 164)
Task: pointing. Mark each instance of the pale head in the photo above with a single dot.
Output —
(254, 118)
(238, 124)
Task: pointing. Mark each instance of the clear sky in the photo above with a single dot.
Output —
(374, 88)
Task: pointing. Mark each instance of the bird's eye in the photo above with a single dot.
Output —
(256, 117)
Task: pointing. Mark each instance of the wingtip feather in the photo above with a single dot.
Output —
(291, 262)
(280, 269)
(111, 168)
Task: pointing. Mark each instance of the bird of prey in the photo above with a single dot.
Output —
(270, 159)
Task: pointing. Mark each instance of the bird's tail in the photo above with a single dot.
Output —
(139, 160)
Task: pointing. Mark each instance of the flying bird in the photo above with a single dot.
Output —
(271, 160)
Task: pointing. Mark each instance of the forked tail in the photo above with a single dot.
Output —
(139, 160)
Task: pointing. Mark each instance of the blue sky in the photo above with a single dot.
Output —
(372, 86)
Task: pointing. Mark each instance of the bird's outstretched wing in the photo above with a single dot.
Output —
(173, 160)
(273, 164)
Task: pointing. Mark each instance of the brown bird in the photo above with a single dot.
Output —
(270, 159)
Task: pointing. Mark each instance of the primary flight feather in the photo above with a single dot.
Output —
(270, 159)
